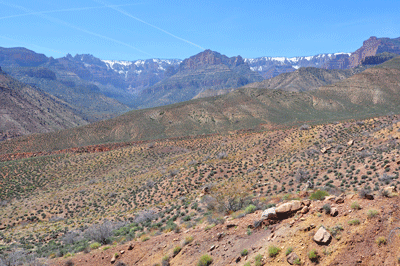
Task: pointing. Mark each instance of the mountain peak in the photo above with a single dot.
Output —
(209, 57)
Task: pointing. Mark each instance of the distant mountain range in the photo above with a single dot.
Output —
(98, 89)
(375, 91)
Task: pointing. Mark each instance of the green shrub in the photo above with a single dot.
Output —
(177, 249)
(258, 260)
(244, 252)
(327, 208)
(313, 255)
(273, 251)
(319, 195)
(355, 205)
(250, 209)
(297, 262)
(354, 222)
(205, 260)
(289, 250)
(372, 213)
(188, 240)
(95, 245)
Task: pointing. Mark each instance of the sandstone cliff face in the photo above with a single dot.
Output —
(369, 48)
(374, 46)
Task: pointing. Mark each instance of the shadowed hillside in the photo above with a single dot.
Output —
(26, 110)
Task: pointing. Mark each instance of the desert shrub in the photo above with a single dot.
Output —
(327, 208)
(381, 240)
(95, 245)
(176, 250)
(372, 213)
(120, 263)
(313, 255)
(318, 195)
(385, 193)
(355, 206)
(297, 262)
(244, 252)
(188, 240)
(100, 232)
(205, 260)
(354, 222)
(302, 175)
(69, 263)
(258, 260)
(288, 251)
(273, 251)
(364, 193)
(145, 216)
(251, 208)
(165, 261)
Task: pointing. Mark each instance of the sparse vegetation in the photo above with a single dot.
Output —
(318, 195)
(205, 260)
(372, 213)
(355, 205)
(273, 251)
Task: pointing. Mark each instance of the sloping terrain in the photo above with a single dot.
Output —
(375, 91)
(304, 79)
(25, 110)
(180, 199)
(58, 78)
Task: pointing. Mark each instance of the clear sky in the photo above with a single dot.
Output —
(130, 30)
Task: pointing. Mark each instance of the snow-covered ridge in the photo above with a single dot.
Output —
(124, 66)
(292, 60)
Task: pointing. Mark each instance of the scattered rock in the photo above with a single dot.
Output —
(305, 209)
(291, 258)
(269, 214)
(334, 212)
(231, 225)
(238, 259)
(306, 202)
(113, 259)
(130, 246)
(122, 251)
(351, 142)
(339, 200)
(212, 248)
(322, 236)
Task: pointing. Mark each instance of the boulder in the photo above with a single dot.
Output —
(339, 200)
(288, 207)
(269, 214)
(322, 236)
(390, 190)
(351, 142)
(330, 198)
(292, 257)
(305, 209)
(306, 202)
(334, 212)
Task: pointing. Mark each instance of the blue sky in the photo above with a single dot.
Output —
(130, 30)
